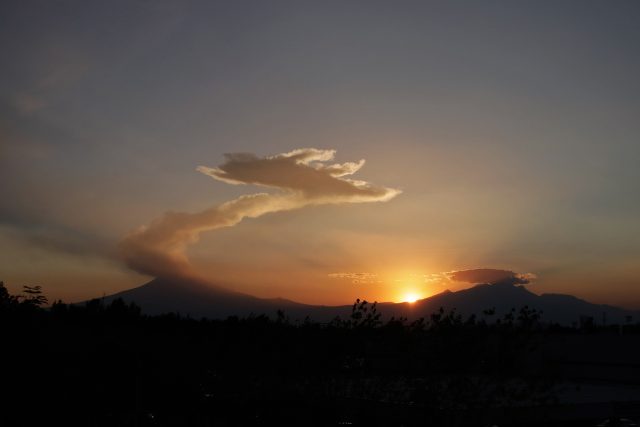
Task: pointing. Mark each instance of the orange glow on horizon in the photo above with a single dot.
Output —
(411, 297)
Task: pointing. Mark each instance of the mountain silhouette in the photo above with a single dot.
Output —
(200, 299)
(503, 297)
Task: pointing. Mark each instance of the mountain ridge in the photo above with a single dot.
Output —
(200, 299)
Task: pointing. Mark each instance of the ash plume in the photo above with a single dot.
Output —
(300, 178)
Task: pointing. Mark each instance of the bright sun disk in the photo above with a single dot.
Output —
(411, 297)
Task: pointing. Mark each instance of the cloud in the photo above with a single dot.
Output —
(301, 177)
(356, 277)
(303, 173)
(475, 276)
(491, 276)
(436, 278)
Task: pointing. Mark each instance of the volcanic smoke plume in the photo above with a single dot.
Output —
(301, 177)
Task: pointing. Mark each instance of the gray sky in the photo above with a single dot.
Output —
(510, 127)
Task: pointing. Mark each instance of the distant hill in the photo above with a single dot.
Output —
(204, 300)
(199, 299)
(563, 309)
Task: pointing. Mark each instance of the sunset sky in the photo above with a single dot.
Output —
(495, 134)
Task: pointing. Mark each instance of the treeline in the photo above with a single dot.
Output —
(108, 364)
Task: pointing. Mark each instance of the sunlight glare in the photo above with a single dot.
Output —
(411, 298)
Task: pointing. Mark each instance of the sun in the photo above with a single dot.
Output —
(411, 297)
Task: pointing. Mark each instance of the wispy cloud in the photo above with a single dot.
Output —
(475, 276)
(301, 177)
(356, 278)
(490, 275)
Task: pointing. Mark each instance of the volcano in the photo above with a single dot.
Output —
(203, 300)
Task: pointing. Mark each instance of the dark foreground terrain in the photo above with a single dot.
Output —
(108, 365)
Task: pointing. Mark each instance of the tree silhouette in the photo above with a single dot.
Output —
(6, 299)
(364, 315)
(33, 296)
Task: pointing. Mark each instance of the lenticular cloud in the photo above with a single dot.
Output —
(300, 178)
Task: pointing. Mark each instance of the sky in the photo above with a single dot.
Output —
(495, 134)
